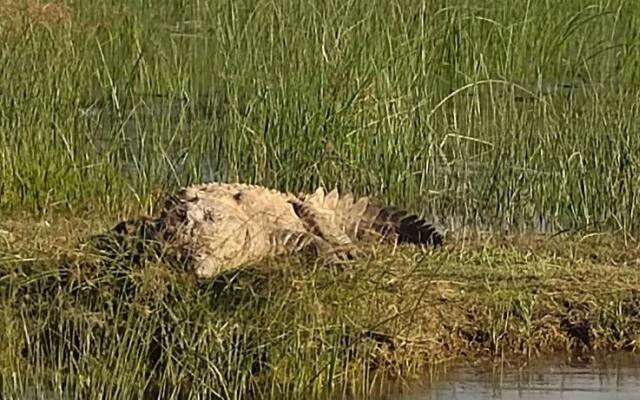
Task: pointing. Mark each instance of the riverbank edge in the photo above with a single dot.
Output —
(292, 328)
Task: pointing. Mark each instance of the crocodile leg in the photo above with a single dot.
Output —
(311, 245)
(321, 222)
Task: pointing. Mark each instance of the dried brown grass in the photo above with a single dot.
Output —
(16, 14)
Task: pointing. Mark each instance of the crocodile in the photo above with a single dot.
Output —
(217, 226)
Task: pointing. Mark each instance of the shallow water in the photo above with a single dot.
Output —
(610, 377)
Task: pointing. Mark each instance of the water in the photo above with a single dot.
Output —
(610, 377)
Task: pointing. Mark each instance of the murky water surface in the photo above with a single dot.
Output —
(611, 377)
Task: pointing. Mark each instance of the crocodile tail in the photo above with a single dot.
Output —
(402, 226)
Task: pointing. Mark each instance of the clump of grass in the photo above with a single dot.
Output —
(77, 324)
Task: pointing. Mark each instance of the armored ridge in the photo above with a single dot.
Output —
(366, 219)
(218, 227)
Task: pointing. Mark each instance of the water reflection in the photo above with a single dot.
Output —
(612, 377)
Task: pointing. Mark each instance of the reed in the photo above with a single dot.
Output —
(515, 113)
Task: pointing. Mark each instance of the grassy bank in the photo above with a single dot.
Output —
(514, 114)
(290, 329)
(509, 112)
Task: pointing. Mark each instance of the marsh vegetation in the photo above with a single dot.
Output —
(508, 116)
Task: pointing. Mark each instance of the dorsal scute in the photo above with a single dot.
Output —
(331, 199)
(361, 205)
(345, 201)
(316, 198)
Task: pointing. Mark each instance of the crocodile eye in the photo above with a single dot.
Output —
(238, 197)
(209, 215)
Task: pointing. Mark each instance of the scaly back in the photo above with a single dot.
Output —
(365, 219)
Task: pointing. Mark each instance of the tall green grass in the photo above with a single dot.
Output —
(503, 112)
